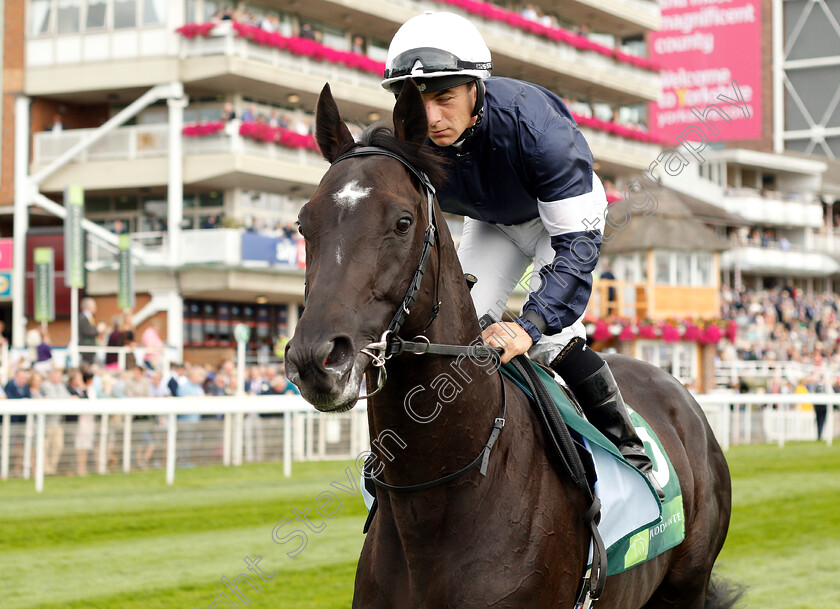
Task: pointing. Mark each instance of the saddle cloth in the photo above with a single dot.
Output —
(634, 525)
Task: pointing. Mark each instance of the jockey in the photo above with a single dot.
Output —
(521, 174)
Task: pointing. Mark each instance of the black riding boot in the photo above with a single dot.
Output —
(604, 407)
(602, 403)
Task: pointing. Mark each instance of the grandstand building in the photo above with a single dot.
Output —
(199, 117)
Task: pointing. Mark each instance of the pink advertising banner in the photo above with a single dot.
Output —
(704, 47)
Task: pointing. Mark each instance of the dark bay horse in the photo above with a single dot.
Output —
(514, 538)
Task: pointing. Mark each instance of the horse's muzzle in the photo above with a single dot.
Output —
(322, 371)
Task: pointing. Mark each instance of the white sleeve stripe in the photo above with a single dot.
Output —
(581, 213)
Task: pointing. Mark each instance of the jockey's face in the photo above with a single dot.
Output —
(449, 113)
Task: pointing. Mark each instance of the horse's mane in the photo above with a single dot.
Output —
(421, 157)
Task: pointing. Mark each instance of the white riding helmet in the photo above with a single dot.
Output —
(438, 50)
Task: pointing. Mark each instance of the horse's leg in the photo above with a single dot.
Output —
(381, 574)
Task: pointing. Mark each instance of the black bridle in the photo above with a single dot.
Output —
(391, 345)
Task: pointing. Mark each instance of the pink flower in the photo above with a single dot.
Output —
(670, 334)
(627, 334)
(602, 331)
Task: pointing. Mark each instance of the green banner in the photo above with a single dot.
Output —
(44, 282)
(125, 292)
(74, 237)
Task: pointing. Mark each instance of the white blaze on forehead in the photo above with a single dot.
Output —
(339, 254)
(349, 196)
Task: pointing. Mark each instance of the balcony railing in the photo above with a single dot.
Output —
(223, 40)
(135, 142)
(764, 260)
(145, 141)
(773, 208)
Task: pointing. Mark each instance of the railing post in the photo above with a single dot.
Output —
(103, 445)
(127, 444)
(782, 411)
(171, 431)
(4, 446)
(288, 418)
(226, 431)
(828, 428)
(39, 452)
(27, 448)
(238, 430)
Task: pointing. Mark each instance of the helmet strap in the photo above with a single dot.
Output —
(478, 111)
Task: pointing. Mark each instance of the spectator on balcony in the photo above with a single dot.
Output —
(119, 228)
(530, 13)
(269, 23)
(307, 32)
(249, 115)
(57, 124)
(211, 221)
(358, 45)
(228, 113)
(784, 243)
(274, 118)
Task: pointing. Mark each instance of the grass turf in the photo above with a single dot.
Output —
(129, 541)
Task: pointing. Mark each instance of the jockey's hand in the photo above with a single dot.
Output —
(510, 336)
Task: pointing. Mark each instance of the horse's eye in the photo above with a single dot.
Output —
(300, 230)
(402, 225)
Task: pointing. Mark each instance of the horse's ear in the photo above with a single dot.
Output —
(410, 123)
(331, 133)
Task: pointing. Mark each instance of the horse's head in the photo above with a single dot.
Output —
(364, 229)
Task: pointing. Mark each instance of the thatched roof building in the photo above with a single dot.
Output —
(670, 226)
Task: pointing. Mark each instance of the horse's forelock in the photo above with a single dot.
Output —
(422, 157)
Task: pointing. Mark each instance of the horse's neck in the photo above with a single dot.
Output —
(440, 407)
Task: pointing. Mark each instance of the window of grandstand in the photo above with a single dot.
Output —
(73, 16)
(68, 16)
(684, 268)
(95, 19)
(679, 359)
(147, 213)
(39, 16)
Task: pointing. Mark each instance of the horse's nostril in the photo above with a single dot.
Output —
(340, 353)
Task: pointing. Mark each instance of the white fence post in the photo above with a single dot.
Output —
(171, 431)
(39, 452)
(127, 443)
(288, 420)
(4, 446)
(27, 448)
(102, 466)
